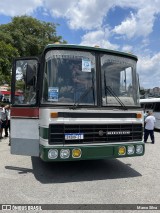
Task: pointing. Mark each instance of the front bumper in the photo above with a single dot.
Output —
(92, 152)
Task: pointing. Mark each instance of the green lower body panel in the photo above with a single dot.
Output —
(92, 152)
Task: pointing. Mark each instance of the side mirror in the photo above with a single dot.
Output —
(24, 80)
(30, 78)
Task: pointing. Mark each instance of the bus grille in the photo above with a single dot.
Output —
(94, 133)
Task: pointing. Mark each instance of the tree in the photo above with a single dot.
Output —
(7, 53)
(30, 35)
(24, 36)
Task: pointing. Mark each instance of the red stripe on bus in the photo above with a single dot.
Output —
(24, 112)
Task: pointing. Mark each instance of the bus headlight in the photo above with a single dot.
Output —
(130, 150)
(76, 153)
(52, 153)
(122, 150)
(139, 149)
(64, 153)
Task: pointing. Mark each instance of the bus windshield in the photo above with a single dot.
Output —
(69, 78)
(119, 82)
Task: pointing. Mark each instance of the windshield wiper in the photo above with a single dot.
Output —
(85, 93)
(82, 96)
(110, 90)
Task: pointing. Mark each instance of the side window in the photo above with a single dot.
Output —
(25, 78)
(157, 107)
(126, 87)
(149, 106)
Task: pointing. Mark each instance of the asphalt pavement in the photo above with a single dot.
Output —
(28, 180)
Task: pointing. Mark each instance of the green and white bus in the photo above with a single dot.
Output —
(77, 103)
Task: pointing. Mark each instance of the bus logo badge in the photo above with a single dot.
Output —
(118, 133)
(101, 132)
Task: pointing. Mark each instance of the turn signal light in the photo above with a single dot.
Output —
(139, 115)
(76, 153)
(122, 150)
(54, 114)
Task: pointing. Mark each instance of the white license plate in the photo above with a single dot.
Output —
(77, 136)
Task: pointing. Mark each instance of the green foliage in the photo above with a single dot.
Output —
(142, 91)
(31, 35)
(24, 36)
(7, 53)
(20, 85)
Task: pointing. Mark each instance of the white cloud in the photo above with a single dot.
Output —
(145, 20)
(140, 23)
(127, 27)
(149, 68)
(80, 13)
(17, 8)
(127, 48)
(59, 8)
(90, 14)
(100, 38)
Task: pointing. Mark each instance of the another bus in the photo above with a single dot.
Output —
(78, 103)
(152, 104)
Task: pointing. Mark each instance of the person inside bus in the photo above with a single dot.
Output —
(64, 83)
(149, 127)
(81, 81)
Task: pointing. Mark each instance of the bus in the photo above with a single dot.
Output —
(79, 103)
(152, 104)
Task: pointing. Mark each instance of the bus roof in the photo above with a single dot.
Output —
(149, 100)
(73, 46)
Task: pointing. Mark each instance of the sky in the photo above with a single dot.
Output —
(123, 25)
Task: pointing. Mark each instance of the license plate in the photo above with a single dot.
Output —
(77, 136)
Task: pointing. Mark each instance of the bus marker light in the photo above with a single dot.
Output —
(122, 150)
(64, 153)
(139, 149)
(52, 153)
(130, 150)
(139, 115)
(54, 114)
(76, 153)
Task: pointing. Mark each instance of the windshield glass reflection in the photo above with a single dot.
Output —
(119, 82)
(68, 74)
